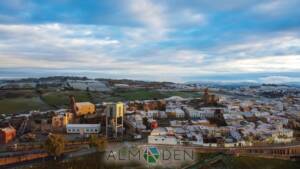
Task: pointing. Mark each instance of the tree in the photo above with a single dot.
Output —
(99, 143)
(55, 145)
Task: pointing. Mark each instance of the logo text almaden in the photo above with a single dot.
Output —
(151, 155)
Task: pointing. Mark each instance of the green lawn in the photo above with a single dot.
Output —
(20, 104)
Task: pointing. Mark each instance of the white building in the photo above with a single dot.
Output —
(197, 138)
(177, 112)
(277, 120)
(209, 112)
(233, 119)
(136, 121)
(193, 113)
(156, 114)
(83, 128)
(160, 131)
(201, 114)
(168, 140)
(235, 134)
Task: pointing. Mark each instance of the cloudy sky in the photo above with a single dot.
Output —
(170, 40)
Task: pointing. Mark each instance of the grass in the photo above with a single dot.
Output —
(148, 94)
(25, 100)
(20, 104)
(182, 94)
(61, 98)
(10, 94)
(137, 94)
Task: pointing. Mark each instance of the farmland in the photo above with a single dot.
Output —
(14, 101)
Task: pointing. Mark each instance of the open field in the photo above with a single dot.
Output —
(12, 101)
(147, 94)
(61, 98)
(21, 104)
(10, 94)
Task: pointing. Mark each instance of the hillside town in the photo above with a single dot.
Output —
(239, 117)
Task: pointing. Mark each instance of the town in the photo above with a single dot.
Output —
(214, 117)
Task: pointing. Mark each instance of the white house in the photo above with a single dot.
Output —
(83, 128)
(169, 140)
(197, 138)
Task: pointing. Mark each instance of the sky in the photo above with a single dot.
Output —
(156, 40)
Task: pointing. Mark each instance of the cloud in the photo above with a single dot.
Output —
(150, 14)
(182, 58)
(191, 17)
(270, 6)
(51, 41)
(276, 8)
(96, 48)
(286, 43)
(188, 56)
(283, 63)
(159, 19)
(58, 46)
(173, 40)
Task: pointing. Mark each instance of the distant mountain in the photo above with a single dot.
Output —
(223, 83)
(239, 84)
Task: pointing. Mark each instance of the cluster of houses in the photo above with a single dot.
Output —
(245, 123)
(210, 121)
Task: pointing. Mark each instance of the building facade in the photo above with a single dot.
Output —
(7, 134)
(83, 128)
